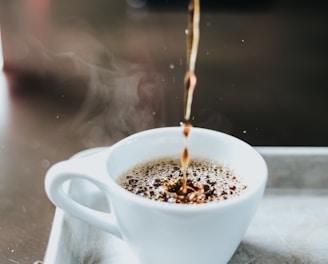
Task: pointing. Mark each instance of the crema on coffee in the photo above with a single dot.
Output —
(161, 180)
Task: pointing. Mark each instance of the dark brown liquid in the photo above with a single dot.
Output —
(160, 180)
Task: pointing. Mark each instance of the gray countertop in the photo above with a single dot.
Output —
(291, 226)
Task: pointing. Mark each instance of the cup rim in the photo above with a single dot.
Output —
(114, 187)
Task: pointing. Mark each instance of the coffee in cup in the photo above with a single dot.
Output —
(161, 180)
(169, 232)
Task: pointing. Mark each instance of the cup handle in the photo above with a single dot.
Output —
(81, 168)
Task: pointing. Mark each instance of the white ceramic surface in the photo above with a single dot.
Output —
(160, 232)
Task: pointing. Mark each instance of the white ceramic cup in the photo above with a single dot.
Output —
(160, 232)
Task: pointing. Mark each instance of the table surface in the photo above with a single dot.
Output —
(64, 63)
(280, 232)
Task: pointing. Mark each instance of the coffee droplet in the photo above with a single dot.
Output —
(186, 128)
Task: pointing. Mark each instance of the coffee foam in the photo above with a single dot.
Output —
(160, 180)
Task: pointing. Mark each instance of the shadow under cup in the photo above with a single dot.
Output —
(159, 232)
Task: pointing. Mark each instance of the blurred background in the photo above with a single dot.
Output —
(115, 67)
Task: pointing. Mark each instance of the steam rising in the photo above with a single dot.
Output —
(121, 100)
(122, 97)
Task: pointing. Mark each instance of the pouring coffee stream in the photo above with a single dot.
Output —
(190, 82)
(192, 49)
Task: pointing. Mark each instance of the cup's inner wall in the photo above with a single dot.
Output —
(224, 149)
